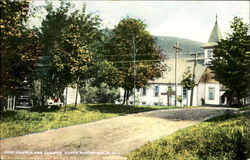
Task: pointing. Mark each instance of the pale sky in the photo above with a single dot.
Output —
(186, 19)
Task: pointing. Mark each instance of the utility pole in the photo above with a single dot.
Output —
(195, 62)
(177, 49)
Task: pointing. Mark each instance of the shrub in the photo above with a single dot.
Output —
(219, 138)
(99, 94)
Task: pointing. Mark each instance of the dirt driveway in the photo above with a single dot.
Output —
(104, 139)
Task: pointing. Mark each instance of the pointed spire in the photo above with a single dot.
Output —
(215, 35)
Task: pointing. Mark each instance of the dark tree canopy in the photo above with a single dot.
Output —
(129, 39)
(19, 45)
(71, 39)
(231, 63)
(133, 52)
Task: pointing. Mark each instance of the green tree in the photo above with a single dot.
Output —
(187, 81)
(231, 61)
(72, 40)
(53, 26)
(75, 52)
(132, 51)
(19, 46)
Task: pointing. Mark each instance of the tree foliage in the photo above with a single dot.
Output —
(73, 53)
(19, 45)
(53, 24)
(231, 61)
(70, 39)
(187, 81)
(133, 52)
(56, 20)
(101, 94)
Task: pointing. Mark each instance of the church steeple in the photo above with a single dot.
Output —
(212, 43)
(214, 37)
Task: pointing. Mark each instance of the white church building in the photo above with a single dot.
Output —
(207, 90)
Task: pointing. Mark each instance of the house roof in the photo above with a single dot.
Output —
(215, 36)
(183, 64)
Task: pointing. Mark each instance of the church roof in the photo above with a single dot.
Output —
(183, 64)
(208, 77)
(215, 36)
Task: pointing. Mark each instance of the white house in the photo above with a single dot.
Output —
(207, 90)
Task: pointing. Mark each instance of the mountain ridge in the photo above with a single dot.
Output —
(166, 43)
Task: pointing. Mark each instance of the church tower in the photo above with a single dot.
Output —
(212, 43)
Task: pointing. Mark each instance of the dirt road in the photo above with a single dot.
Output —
(104, 139)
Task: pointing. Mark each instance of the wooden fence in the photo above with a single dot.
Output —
(8, 104)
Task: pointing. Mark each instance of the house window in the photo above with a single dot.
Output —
(144, 91)
(143, 103)
(184, 91)
(156, 91)
(211, 92)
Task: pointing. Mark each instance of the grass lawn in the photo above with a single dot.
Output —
(245, 108)
(225, 137)
(20, 122)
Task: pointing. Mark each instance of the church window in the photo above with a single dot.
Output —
(211, 92)
(156, 91)
(144, 91)
(184, 91)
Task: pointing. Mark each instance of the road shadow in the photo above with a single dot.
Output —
(191, 114)
(119, 109)
(228, 116)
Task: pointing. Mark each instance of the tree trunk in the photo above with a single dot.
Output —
(42, 94)
(127, 96)
(230, 100)
(124, 96)
(66, 96)
(76, 94)
(65, 100)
